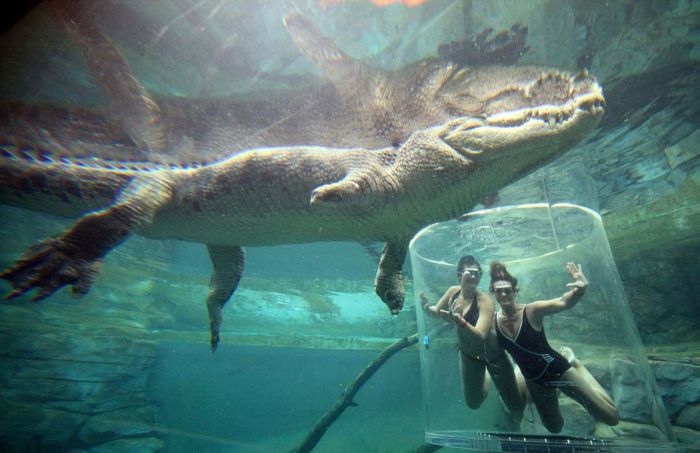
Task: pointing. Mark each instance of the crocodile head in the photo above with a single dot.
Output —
(501, 124)
(522, 116)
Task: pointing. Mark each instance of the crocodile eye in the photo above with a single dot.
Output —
(505, 101)
(395, 141)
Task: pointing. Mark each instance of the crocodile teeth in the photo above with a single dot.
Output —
(582, 74)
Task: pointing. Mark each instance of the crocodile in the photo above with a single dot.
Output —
(399, 150)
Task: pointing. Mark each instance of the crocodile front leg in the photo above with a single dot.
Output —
(74, 257)
(389, 281)
(227, 262)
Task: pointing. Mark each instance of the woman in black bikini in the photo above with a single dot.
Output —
(472, 311)
(520, 331)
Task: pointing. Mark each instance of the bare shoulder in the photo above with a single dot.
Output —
(485, 300)
(484, 297)
(452, 290)
(534, 313)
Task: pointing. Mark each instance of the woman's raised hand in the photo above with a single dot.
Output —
(580, 282)
(423, 300)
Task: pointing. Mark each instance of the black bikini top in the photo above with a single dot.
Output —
(472, 315)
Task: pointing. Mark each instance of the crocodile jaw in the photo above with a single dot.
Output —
(544, 131)
(545, 115)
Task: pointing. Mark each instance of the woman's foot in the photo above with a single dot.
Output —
(604, 431)
(569, 355)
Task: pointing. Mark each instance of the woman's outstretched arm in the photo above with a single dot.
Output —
(577, 288)
(438, 310)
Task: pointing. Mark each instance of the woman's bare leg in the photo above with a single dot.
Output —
(474, 385)
(591, 391)
(569, 355)
(591, 396)
(546, 401)
(522, 385)
(512, 392)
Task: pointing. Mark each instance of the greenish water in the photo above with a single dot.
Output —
(264, 399)
(128, 368)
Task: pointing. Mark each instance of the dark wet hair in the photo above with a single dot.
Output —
(500, 273)
(468, 260)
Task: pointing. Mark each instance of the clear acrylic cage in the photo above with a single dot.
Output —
(541, 223)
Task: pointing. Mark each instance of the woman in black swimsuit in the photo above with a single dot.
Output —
(520, 331)
(472, 311)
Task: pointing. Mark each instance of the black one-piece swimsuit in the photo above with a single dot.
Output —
(472, 315)
(533, 354)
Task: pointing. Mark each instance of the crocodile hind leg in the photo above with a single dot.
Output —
(227, 263)
(388, 283)
(74, 257)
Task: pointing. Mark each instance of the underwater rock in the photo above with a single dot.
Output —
(651, 277)
(64, 365)
(688, 439)
(689, 417)
(632, 401)
(684, 150)
(76, 391)
(662, 29)
(26, 424)
(142, 287)
(576, 418)
(638, 431)
(679, 384)
(142, 445)
(133, 421)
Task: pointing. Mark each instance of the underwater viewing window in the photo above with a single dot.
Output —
(542, 223)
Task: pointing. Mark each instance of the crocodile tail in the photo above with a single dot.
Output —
(134, 109)
(336, 65)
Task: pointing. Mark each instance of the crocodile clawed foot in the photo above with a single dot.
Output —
(214, 342)
(340, 192)
(214, 307)
(393, 299)
(48, 266)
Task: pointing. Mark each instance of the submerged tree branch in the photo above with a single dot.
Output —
(345, 400)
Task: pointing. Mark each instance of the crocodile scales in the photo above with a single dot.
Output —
(412, 147)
